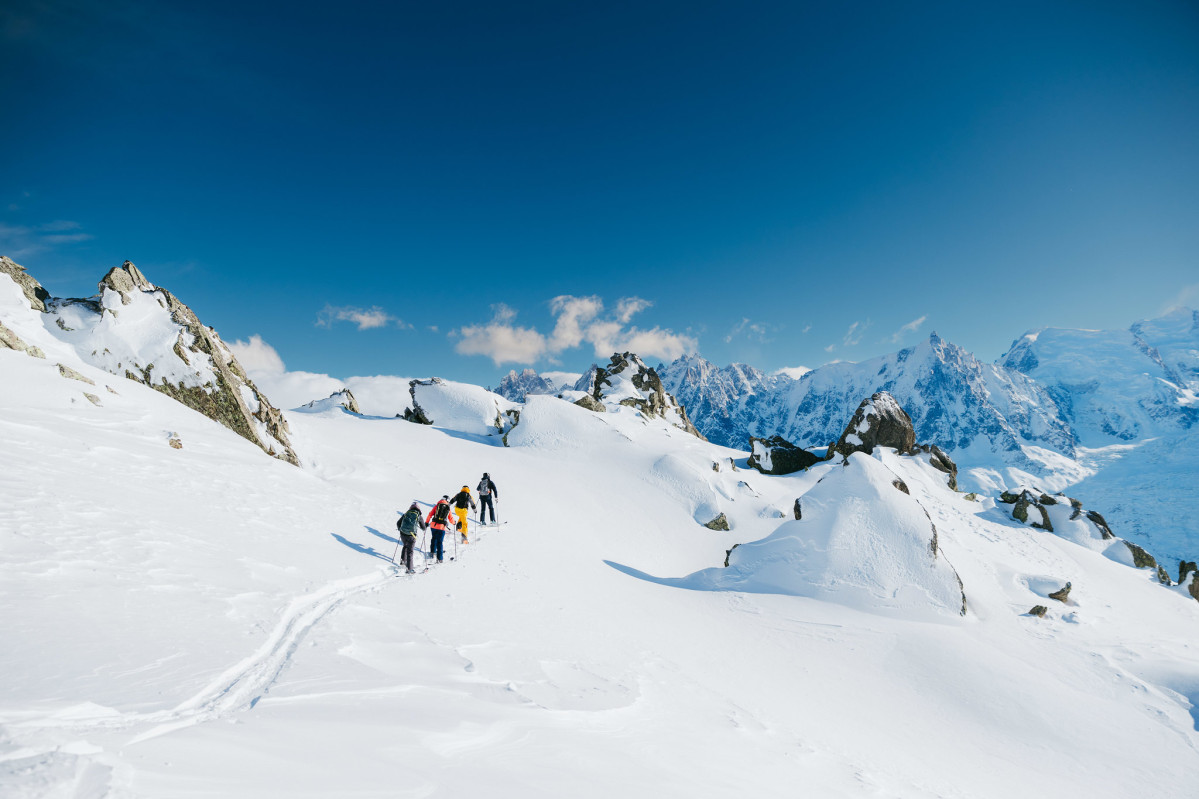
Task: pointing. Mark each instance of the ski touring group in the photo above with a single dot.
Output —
(438, 520)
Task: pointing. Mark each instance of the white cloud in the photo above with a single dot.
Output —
(830, 348)
(500, 340)
(573, 314)
(910, 327)
(628, 307)
(656, 343)
(577, 321)
(380, 395)
(366, 318)
(793, 372)
(562, 378)
(1187, 297)
(853, 336)
(257, 357)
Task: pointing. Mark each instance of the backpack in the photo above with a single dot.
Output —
(442, 513)
(484, 488)
(409, 521)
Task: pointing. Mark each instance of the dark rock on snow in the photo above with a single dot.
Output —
(721, 522)
(878, 422)
(1062, 594)
(778, 456)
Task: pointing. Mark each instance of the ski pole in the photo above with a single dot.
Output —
(399, 538)
(424, 553)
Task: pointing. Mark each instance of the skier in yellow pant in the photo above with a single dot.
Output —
(461, 501)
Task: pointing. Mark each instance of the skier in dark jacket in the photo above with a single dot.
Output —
(461, 500)
(408, 524)
(438, 520)
(487, 494)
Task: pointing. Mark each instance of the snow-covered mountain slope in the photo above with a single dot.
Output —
(214, 622)
(460, 407)
(954, 399)
(727, 405)
(516, 387)
(1118, 385)
(134, 329)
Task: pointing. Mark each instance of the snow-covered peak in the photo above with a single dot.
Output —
(1117, 385)
(135, 330)
(627, 382)
(339, 399)
(516, 387)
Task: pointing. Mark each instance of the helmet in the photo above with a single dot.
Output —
(486, 476)
(414, 504)
(445, 496)
(466, 489)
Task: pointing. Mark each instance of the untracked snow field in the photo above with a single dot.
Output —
(208, 621)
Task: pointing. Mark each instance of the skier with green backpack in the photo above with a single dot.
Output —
(408, 524)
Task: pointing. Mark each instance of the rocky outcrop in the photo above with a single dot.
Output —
(1024, 503)
(33, 290)
(1062, 594)
(797, 509)
(416, 413)
(1140, 558)
(231, 398)
(10, 340)
(878, 422)
(901, 485)
(721, 522)
(941, 462)
(1039, 611)
(71, 374)
(591, 403)
(1101, 523)
(626, 380)
(778, 456)
(343, 399)
(197, 369)
(1186, 567)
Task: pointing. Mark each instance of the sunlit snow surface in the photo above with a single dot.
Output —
(209, 621)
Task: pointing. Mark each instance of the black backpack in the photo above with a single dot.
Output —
(409, 521)
(442, 513)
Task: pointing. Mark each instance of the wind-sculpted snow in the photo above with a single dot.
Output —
(861, 543)
(463, 407)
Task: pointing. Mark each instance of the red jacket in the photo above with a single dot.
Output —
(449, 518)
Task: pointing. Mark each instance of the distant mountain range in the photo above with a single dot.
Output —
(1054, 389)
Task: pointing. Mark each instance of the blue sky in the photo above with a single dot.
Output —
(463, 188)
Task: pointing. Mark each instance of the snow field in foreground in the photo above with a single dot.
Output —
(211, 622)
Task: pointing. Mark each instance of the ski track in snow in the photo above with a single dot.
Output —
(235, 690)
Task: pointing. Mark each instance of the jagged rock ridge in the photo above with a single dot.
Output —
(626, 380)
(140, 331)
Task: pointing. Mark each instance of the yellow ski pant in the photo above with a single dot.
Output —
(462, 518)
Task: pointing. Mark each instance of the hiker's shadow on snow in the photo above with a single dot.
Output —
(384, 536)
(360, 548)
